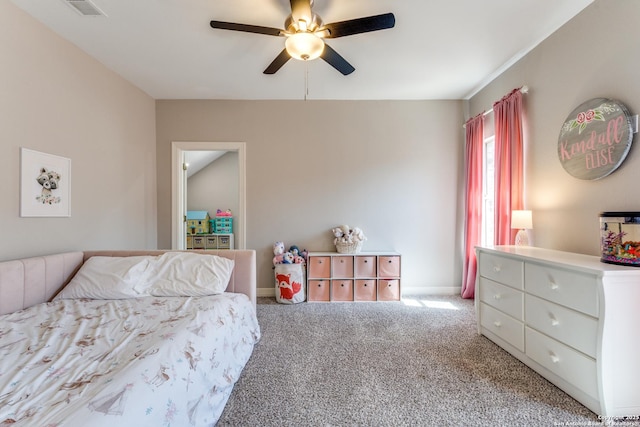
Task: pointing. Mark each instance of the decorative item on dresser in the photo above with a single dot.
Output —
(570, 317)
(523, 221)
(366, 276)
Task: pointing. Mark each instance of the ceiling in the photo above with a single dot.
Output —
(445, 49)
(198, 160)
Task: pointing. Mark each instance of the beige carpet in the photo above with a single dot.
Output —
(413, 363)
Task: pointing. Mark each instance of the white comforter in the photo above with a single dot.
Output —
(135, 362)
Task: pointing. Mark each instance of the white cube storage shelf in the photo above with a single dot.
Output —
(365, 276)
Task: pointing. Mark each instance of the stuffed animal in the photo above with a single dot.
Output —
(278, 248)
(345, 234)
(359, 234)
(278, 251)
(287, 258)
(292, 256)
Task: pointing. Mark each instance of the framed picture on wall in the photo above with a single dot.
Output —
(45, 184)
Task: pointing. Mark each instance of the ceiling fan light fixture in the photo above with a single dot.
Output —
(304, 46)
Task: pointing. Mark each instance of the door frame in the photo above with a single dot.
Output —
(178, 185)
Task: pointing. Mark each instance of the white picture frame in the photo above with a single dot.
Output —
(45, 184)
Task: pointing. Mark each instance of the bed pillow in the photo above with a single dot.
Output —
(105, 277)
(188, 274)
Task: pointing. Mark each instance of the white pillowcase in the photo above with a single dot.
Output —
(105, 277)
(187, 274)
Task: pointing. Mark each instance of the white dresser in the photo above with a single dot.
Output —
(570, 317)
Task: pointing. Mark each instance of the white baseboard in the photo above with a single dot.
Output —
(266, 292)
(416, 291)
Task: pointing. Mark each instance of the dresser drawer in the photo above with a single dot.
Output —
(569, 364)
(571, 327)
(504, 298)
(501, 269)
(569, 288)
(319, 266)
(502, 325)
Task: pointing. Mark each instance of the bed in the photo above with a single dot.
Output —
(148, 342)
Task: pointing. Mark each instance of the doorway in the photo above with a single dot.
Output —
(179, 189)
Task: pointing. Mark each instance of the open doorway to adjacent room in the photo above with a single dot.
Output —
(203, 153)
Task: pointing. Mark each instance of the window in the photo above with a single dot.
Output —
(488, 191)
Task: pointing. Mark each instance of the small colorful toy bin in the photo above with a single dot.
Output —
(222, 224)
(620, 238)
(290, 280)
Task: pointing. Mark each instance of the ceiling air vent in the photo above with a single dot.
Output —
(85, 7)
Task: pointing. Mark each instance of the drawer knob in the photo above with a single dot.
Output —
(497, 296)
(366, 261)
(496, 268)
(497, 323)
(389, 261)
(554, 357)
(553, 285)
(554, 321)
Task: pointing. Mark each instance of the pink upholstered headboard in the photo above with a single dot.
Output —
(29, 281)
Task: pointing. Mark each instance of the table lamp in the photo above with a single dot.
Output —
(521, 220)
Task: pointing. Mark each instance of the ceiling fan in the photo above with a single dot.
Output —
(305, 33)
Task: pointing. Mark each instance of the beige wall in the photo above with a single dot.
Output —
(389, 167)
(58, 100)
(594, 55)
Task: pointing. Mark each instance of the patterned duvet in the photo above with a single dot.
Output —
(136, 362)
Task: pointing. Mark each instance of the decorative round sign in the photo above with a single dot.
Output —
(595, 139)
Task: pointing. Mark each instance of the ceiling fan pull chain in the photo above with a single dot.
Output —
(306, 80)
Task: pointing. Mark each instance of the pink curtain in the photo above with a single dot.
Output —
(473, 199)
(508, 164)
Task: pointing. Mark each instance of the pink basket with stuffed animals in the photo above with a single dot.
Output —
(348, 248)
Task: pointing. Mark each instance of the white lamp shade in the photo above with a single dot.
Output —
(521, 219)
(304, 46)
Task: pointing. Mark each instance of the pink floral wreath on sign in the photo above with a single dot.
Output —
(583, 118)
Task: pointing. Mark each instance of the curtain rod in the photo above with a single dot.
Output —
(523, 89)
